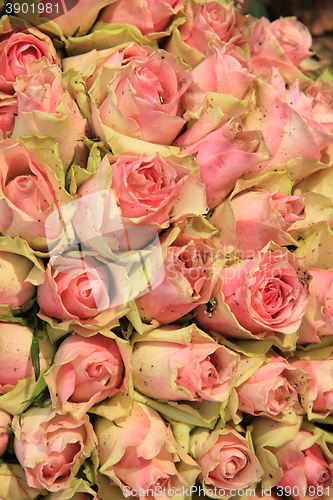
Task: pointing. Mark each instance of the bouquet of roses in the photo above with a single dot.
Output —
(166, 263)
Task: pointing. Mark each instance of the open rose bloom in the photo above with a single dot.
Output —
(166, 263)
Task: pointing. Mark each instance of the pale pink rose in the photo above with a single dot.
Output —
(177, 364)
(82, 289)
(15, 356)
(149, 16)
(282, 44)
(272, 391)
(289, 131)
(15, 286)
(318, 399)
(225, 70)
(294, 38)
(45, 108)
(87, 370)
(304, 466)
(51, 446)
(146, 189)
(187, 283)
(5, 421)
(265, 294)
(207, 22)
(8, 111)
(262, 216)
(321, 95)
(111, 58)
(20, 48)
(138, 452)
(318, 318)
(302, 103)
(224, 155)
(145, 99)
(27, 196)
(226, 461)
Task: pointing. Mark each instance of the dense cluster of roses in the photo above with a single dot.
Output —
(166, 265)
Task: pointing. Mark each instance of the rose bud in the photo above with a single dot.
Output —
(265, 294)
(138, 452)
(5, 421)
(296, 460)
(182, 364)
(85, 290)
(318, 399)
(51, 446)
(20, 271)
(20, 50)
(272, 391)
(187, 276)
(294, 38)
(13, 484)
(29, 193)
(150, 16)
(16, 367)
(261, 217)
(87, 370)
(226, 460)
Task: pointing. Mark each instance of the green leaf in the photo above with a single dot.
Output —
(258, 9)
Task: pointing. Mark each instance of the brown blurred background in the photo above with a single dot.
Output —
(317, 15)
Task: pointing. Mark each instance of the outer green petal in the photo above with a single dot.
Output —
(13, 485)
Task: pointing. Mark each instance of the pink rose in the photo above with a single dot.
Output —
(51, 446)
(137, 451)
(226, 461)
(224, 155)
(273, 389)
(87, 370)
(305, 466)
(224, 70)
(265, 294)
(91, 63)
(321, 94)
(15, 356)
(294, 38)
(318, 318)
(19, 50)
(187, 283)
(318, 399)
(177, 364)
(262, 216)
(150, 191)
(150, 16)
(27, 196)
(145, 99)
(5, 421)
(84, 289)
(207, 22)
(45, 108)
(286, 120)
(8, 111)
(282, 44)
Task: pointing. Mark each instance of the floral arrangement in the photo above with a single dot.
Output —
(166, 263)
